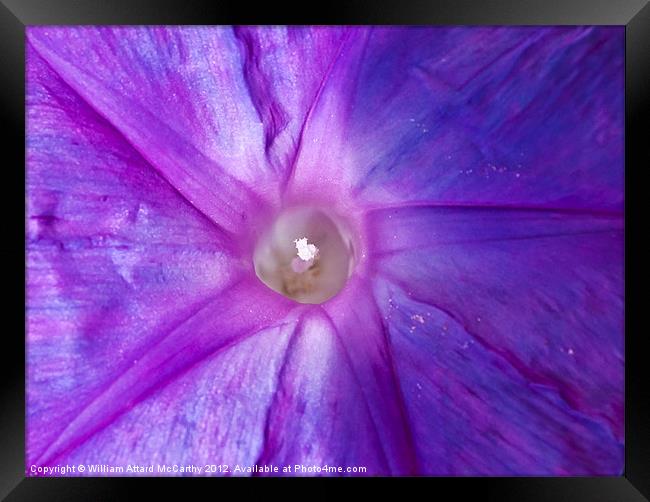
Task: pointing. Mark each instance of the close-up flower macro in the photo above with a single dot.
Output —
(325, 251)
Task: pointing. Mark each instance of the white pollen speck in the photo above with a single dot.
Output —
(570, 352)
(306, 251)
(418, 318)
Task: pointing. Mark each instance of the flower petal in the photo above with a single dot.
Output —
(493, 116)
(285, 69)
(116, 260)
(541, 291)
(338, 402)
(213, 414)
(240, 311)
(475, 413)
(319, 414)
(179, 96)
(360, 328)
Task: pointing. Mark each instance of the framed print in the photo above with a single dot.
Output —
(388, 243)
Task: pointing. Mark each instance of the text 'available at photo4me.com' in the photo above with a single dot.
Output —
(207, 469)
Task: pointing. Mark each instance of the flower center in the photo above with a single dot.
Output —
(306, 255)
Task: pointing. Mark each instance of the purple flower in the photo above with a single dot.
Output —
(460, 311)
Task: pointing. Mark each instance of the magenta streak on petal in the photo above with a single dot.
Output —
(534, 379)
(369, 409)
(322, 165)
(239, 311)
(289, 177)
(361, 331)
(596, 212)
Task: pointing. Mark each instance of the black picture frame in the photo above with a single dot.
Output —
(15, 15)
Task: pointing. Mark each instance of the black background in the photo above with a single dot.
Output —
(634, 14)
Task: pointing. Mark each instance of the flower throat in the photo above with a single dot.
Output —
(306, 255)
